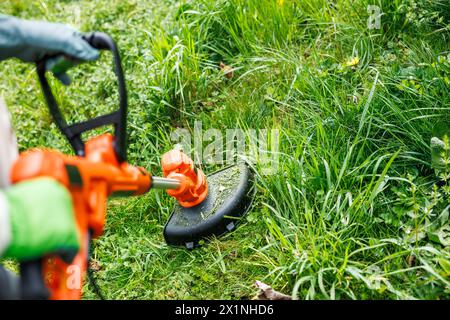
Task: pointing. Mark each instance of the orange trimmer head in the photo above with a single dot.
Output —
(229, 197)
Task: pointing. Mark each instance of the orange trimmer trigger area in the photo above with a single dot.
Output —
(193, 187)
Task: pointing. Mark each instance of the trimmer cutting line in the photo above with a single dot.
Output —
(207, 206)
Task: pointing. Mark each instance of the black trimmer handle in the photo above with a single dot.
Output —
(99, 40)
(118, 118)
(32, 283)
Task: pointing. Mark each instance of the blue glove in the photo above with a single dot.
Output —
(32, 41)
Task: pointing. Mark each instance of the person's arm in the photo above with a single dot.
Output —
(37, 218)
(9, 43)
(5, 226)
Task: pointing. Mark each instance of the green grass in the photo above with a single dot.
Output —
(356, 209)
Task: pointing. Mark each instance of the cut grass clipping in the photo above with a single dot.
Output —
(359, 205)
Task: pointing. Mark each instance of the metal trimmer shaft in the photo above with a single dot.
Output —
(165, 183)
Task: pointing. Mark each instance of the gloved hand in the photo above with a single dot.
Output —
(36, 218)
(31, 41)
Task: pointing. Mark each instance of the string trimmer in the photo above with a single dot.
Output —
(207, 206)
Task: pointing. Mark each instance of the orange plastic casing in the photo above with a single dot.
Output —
(193, 188)
(90, 180)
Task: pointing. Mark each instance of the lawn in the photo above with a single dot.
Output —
(358, 207)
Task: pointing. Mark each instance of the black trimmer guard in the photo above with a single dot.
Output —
(230, 193)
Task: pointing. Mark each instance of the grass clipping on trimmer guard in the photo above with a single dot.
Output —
(207, 207)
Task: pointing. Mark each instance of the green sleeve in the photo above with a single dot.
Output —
(41, 218)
